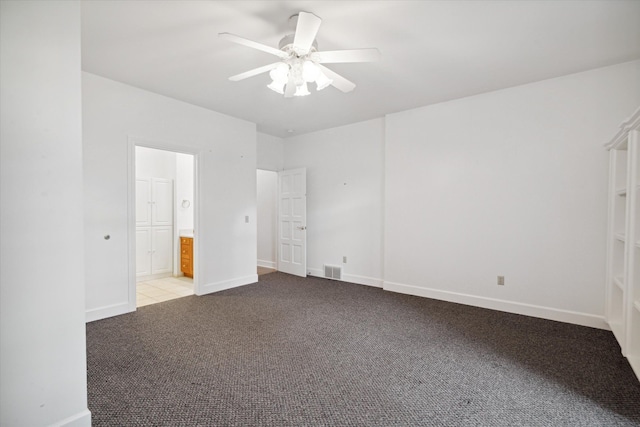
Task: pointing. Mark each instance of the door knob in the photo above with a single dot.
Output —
(302, 227)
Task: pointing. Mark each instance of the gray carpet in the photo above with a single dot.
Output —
(311, 352)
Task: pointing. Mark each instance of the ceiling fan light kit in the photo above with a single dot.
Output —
(300, 60)
(300, 71)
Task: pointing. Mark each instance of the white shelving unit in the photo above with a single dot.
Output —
(623, 242)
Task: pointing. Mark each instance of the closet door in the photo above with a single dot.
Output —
(162, 250)
(162, 197)
(143, 251)
(143, 202)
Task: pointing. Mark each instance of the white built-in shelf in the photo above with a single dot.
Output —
(623, 308)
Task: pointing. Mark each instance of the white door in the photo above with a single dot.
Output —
(143, 251)
(161, 250)
(143, 202)
(292, 222)
(162, 197)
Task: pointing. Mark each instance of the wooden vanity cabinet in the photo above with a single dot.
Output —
(186, 256)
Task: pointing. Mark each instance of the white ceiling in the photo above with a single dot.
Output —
(432, 51)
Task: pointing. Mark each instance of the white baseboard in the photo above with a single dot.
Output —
(315, 272)
(349, 278)
(125, 307)
(81, 419)
(548, 313)
(362, 280)
(109, 311)
(226, 284)
(267, 264)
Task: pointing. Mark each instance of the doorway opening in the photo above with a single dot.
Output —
(282, 221)
(164, 224)
(267, 220)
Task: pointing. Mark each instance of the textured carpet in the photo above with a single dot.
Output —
(311, 352)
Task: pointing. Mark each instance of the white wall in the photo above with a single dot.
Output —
(270, 150)
(507, 183)
(184, 190)
(344, 197)
(226, 153)
(42, 331)
(152, 163)
(267, 182)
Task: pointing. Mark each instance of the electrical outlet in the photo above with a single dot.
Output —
(246, 219)
(344, 259)
(501, 280)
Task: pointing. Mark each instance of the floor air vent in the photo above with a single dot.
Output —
(332, 272)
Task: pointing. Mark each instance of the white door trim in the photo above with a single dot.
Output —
(132, 142)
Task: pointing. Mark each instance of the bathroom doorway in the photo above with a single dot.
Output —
(164, 200)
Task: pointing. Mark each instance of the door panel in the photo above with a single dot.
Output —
(162, 250)
(285, 253)
(292, 213)
(162, 213)
(143, 202)
(143, 251)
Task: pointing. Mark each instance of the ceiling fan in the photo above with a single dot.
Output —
(300, 61)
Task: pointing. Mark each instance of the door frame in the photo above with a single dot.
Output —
(132, 142)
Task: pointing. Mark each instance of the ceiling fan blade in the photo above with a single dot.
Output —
(306, 30)
(351, 55)
(254, 72)
(339, 82)
(252, 44)
(291, 87)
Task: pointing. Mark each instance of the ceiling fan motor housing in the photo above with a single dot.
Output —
(286, 45)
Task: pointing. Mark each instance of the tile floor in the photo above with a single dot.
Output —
(168, 288)
(265, 270)
(159, 290)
